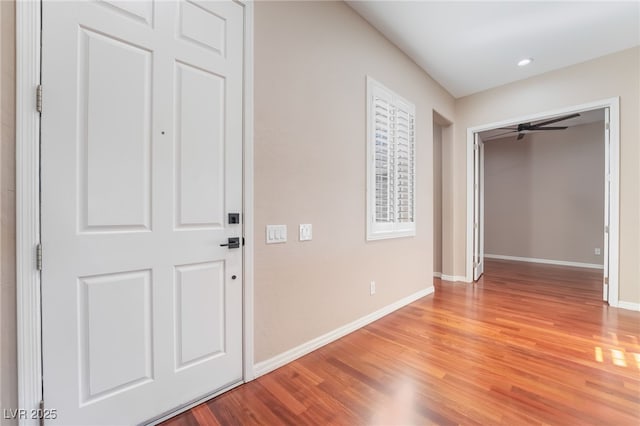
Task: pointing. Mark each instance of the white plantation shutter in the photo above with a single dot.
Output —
(391, 165)
(383, 157)
(405, 163)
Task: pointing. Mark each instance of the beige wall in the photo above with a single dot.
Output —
(544, 195)
(437, 197)
(609, 76)
(8, 378)
(448, 185)
(443, 195)
(311, 60)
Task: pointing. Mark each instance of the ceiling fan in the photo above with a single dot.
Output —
(524, 128)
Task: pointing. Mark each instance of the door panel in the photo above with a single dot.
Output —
(200, 324)
(478, 208)
(114, 73)
(481, 211)
(200, 103)
(202, 26)
(607, 189)
(115, 349)
(138, 10)
(141, 162)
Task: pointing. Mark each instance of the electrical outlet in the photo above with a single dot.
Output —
(596, 251)
(372, 288)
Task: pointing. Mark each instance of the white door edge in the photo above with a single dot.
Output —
(607, 187)
(247, 201)
(478, 207)
(28, 309)
(28, 207)
(614, 194)
(481, 207)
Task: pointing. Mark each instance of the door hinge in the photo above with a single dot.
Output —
(41, 416)
(39, 98)
(606, 229)
(606, 126)
(39, 257)
(606, 280)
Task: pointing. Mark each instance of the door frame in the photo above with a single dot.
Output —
(478, 207)
(28, 297)
(614, 180)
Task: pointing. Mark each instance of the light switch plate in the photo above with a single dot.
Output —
(306, 232)
(276, 234)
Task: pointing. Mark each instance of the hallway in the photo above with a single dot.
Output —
(527, 344)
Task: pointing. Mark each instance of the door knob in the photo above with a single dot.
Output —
(232, 242)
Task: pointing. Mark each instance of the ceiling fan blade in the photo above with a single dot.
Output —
(549, 128)
(520, 136)
(555, 120)
(499, 135)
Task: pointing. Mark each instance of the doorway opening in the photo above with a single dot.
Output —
(442, 197)
(548, 187)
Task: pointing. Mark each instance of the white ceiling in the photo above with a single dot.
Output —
(473, 46)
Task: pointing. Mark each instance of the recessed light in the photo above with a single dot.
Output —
(525, 61)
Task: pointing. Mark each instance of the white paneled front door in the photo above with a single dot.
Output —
(141, 165)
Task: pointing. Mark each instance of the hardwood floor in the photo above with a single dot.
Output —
(527, 344)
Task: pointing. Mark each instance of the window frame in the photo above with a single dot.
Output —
(395, 228)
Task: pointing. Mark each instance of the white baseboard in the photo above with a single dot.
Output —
(628, 305)
(264, 367)
(545, 261)
(452, 278)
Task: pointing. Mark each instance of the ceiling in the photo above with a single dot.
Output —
(469, 47)
(585, 117)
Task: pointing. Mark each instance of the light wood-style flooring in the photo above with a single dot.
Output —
(528, 344)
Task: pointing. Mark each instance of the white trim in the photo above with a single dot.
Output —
(28, 207)
(614, 195)
(614, 199)
(394, 229)
(278, 361)
(454, 278)
(28, 34)
(629, 305)
(248, 349)
(545, 261)
(451, 278)
(470, 206)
